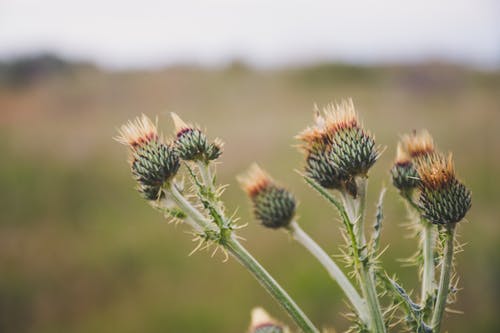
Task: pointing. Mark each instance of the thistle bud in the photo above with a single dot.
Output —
(317, 145)
(152, 161)
(321, 168)
(418, 144)
(154, 164)
(337, 148)
(404, 175)
(263, 323)
(443, 199)
(273, 205)
(192, 144)
(214, 150)
(354, 149)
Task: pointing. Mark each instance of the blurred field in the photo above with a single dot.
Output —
(81, 252)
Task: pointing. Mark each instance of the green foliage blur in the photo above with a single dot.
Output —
(80, 251)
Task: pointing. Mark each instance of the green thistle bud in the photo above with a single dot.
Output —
(317, 144)
(152, 162)
(263, 323)
(353, 149)
(321, 168)
(192, 144)
(274, 206)
(443, 199)
(404, 175)
(214, 150)
(337, 148)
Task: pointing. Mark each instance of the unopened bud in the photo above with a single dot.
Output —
(154, 164)
(354, 150)
(152, 161)
(274, 206)
(403, 173)
(321, 168)
(192, 144)
(443, 198)
(337, 148)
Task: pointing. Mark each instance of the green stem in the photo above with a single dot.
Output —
(366, 279)
(186, 206)
(366, 275)
(427, 243)
(360, 216)
(267, 281)
(206, 174)
(444, 281)
(333, 269)
(348, 206)
(428, 255)
(241, 254)
(370, 294)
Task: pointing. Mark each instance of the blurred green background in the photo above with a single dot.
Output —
(80, 251)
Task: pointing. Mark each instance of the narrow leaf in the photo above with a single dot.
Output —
(414, 314)
(377, 225)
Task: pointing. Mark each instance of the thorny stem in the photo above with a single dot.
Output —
(267, 281)
(427, 243)
(344, 215)
(163, 205)
(370, 293)
(186, 206)
(428, 255)
(333, 269)
(366, 275)
(231, 244)
(376, 323)
(360, 222)
(444, 281)
(205, 174)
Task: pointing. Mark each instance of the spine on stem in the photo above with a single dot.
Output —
(366, 269)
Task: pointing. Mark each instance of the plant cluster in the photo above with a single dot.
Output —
(339, 154)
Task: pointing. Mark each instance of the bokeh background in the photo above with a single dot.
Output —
(80, 251)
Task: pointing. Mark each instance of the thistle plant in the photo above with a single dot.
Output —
(339, 155)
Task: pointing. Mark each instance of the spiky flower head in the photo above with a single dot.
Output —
(404, 175)
(273, 205)
(192, 144)
(138, 132)
(412, 148)
(443, 199)
(354, 150)
(317, 145)
(418, 144)
(263, 323)
(337, 148)
(152, 161)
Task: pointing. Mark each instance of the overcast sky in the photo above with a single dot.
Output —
(146, 33)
